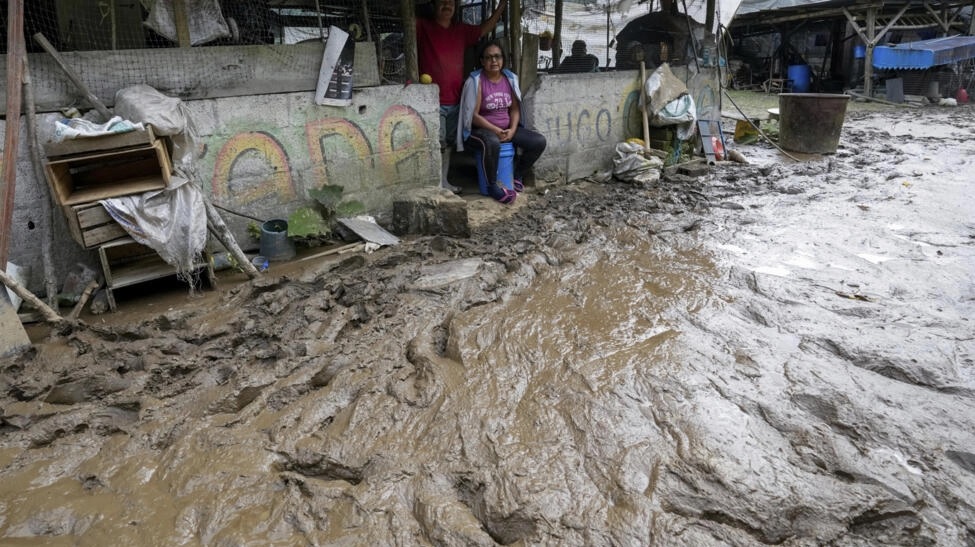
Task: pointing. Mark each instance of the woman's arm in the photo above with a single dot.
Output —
(488, 25)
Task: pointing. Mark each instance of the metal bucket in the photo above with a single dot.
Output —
(811, 122)
(275, 244)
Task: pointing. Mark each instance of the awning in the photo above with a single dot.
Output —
(925, 53)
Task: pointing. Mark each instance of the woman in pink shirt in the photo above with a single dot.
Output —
(490, 114)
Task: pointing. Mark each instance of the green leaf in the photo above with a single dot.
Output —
(328, 195)
(306, 222)
(349, 209)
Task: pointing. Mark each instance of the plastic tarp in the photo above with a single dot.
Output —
(204, 18)
(669, 103)
(925, 53)
(171, 221)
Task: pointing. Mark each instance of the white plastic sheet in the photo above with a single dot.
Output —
(204, 17)
(172, 221)
(75, 128)
(167, 115)
(632, 165)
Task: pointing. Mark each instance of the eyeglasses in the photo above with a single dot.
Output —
(493, 57)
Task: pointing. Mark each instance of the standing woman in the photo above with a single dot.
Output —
(490, 114)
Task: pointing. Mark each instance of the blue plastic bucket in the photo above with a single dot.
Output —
(506, 168)
(275, 244)
(859, 51)
(799, 74)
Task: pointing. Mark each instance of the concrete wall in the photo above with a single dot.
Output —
(262, 154)
(584, 116)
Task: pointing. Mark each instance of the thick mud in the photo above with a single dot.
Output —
(777, 353)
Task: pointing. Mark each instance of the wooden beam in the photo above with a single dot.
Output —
(183, 37)
(890, 24)
(72, 75)
(868, 60)
(15, 77)
(709, 22)
(557, 38)
(408, 13)
(514, 30)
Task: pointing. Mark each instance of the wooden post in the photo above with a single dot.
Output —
(47, 313)
(219, 230)
(643, 104)
(47, 214)
(15, 76)
(709, 22)
(72, 75)
(182, 24)
(408, 13)
(514, 29)
(557, 38)
(971, 22)
(868, 60)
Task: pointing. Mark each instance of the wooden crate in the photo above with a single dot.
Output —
(87, 145)
(91, 225)
(125, 263)
(87, 177)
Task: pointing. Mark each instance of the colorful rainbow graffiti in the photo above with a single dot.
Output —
(332, 144)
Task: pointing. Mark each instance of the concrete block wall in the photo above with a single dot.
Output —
(260, 155)
(584, 116)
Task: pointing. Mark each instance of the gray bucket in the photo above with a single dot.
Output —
(275, 245)
(811, 122)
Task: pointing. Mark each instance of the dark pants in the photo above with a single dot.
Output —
(531, 143)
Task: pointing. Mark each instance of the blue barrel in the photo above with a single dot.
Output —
(859, 51)
(506, 167)
(799, 74)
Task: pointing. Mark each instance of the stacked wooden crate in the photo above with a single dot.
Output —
(83, 171)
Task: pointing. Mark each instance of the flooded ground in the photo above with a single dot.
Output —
(776, 353)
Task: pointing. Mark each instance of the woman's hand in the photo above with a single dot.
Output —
(506, 135)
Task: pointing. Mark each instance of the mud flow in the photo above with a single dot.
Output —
(775, 353)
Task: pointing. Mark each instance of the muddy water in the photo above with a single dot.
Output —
(775, 353)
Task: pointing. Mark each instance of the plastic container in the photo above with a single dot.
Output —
(859, 51)
(275, 244)
(800, 76)
(506, 168)
(811, 122)
(260, 262)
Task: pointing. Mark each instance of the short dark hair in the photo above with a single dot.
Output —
(489, 43)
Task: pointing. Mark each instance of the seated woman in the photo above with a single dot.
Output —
(490, 114)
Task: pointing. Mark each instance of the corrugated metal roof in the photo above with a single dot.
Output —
(925, 53)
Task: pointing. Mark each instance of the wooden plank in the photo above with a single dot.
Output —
(103, 234)
(113, 190)
(90, 215)
(202, 72)
(93, 144)
(8, 166)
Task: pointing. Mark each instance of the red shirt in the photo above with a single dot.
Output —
(440, 53)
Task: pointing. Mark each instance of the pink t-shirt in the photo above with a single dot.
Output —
(495, 101)
(440, 53)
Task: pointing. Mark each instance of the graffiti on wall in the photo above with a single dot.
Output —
(254, 165)
(587, 125)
